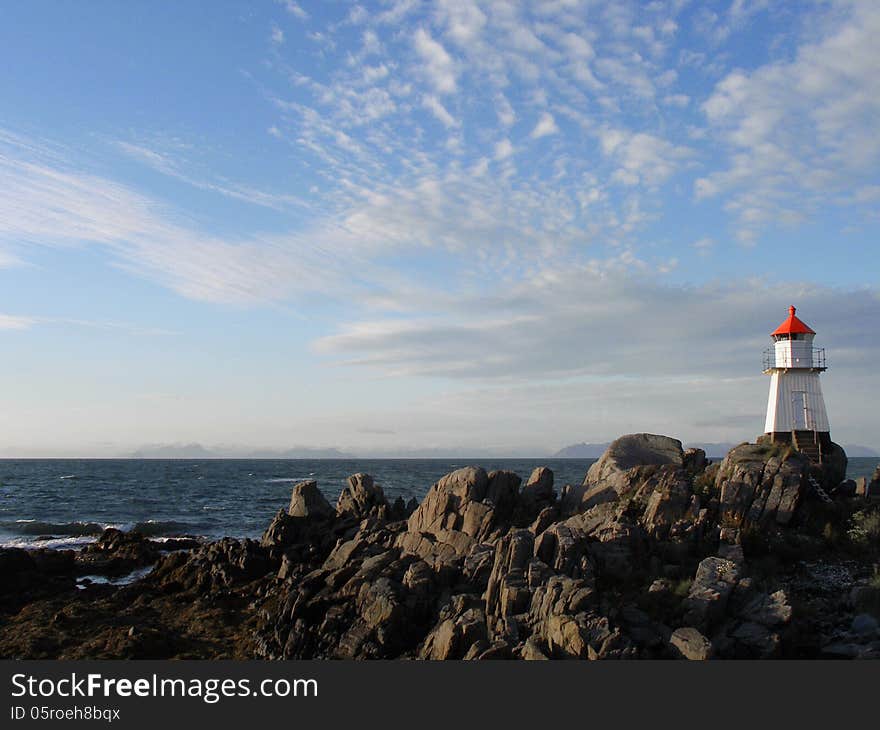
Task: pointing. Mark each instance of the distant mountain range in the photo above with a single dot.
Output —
(197, 451)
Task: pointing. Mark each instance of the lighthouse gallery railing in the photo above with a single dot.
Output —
(817, 360)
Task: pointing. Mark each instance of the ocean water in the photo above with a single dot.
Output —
(68, 502)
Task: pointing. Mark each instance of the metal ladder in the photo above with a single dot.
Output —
(823, 495)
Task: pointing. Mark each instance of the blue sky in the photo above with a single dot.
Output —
(409, 225)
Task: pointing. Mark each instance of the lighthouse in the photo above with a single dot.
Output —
(796, 409)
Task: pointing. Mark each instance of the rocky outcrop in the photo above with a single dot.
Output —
(612, 474)
(362, 498)
(306, 500)
(654, 558)
(761, 484)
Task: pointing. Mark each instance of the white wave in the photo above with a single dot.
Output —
(55, 543)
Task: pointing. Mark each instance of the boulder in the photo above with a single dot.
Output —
(362, 497)
(695, 461)
(612, 474)
(713, 583)
(117, 552)
(688, 643)
(306, 500)
(464, 508)
(454, 637)
(445, 503)
(538, 491)
(873, 487)
(640, 449)
(834, 464)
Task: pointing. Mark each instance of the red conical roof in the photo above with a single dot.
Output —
(792, 326)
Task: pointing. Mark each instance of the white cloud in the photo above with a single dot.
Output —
(438, 64)
(503, 149)
(277, 35)
(439, 111)
(11, 322)
(569, 323)
(295, 9)
(167, 165)
(463, 19)
(643, 158)
(798, 131)
(546, 125)
(505, 112)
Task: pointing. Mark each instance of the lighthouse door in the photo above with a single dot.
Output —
(799, 417)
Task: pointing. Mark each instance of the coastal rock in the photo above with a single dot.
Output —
(872, 486)
(464, 508)
(444, 505)
(761, 483)
(507, 591)
(454, 637)
(306, 500)
(362, 497)
(694, 461)
(117, 552)
(713, 583)
(834, 464)
(612, 474)
(480, 570)
(220, 564)
(537, 495)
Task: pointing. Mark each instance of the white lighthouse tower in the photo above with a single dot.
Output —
(796, 409)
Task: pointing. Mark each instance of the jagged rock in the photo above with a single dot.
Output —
(533, 651)
(502, 493)
(564, 547)
(362, 497)
(507, 590)
(306, 500)
(463, 578)
(669, 502)
(707, 599)
(540, 484)
(453, 637)
(443, 507)
(307, 522)
(688, 643)
(537, 495)
(117, 552)
(619, 549)
(759, 484)
(545, 518)
(566, 636)
(561, 595)
(220, 564)
(464, 508)
(694, 461)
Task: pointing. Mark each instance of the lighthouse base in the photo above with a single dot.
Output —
(812, 444)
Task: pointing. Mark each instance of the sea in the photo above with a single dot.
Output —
(66, 503)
